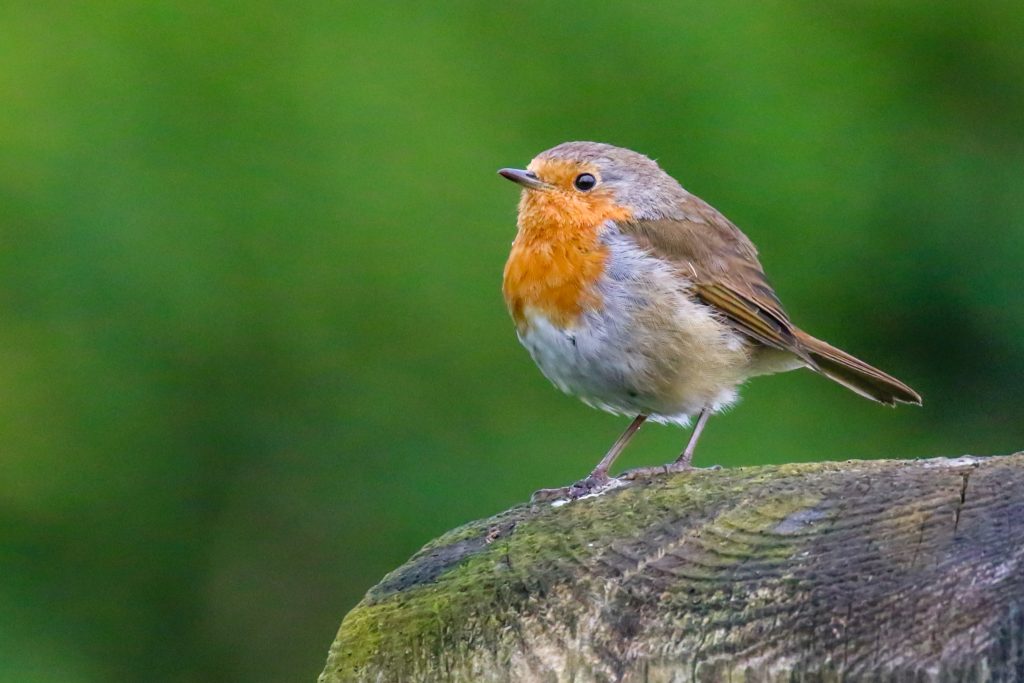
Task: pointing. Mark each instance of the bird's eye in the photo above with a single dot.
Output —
(584, 182)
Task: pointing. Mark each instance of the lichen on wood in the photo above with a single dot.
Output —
(881, 571)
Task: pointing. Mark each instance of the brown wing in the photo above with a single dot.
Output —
(723, 265)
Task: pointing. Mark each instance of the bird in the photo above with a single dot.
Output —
(641, 299)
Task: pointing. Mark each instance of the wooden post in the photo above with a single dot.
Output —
(855, 571)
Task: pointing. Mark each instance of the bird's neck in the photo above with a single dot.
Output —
(552, 270)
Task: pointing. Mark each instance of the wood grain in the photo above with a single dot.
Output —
(856, 571)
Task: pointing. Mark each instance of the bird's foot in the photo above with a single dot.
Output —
(671, 468)
(584, 487)
(550, 495)
(595, 482)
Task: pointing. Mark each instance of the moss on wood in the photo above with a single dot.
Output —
(886, 570)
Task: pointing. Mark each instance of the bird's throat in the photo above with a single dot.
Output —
(556, 259)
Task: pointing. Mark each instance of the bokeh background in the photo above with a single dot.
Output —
(253, 350)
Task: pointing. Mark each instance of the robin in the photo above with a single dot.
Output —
(643, 300)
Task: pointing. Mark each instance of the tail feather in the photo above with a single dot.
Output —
(855, 374)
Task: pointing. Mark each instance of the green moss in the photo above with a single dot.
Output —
(696, 565)
(457, 594)
(545, 546)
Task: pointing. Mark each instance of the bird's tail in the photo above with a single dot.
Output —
(855, 374)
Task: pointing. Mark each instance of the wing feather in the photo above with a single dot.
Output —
(722, 263)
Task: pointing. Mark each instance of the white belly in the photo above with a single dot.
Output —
(648, 349)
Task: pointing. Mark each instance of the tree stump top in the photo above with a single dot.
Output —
(875, 570)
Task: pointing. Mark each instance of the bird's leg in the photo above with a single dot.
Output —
(682, 463)
(598, 477)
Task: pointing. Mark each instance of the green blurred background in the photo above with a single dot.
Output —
(254, 352)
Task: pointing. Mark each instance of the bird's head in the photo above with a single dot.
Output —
(580, 185)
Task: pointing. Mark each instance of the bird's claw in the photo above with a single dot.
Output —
(595, 482)
(671, 468)
(583, 487)
(549, 495)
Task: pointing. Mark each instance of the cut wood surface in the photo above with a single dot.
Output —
(854, 571)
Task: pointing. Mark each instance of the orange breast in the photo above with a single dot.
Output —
(557, 257)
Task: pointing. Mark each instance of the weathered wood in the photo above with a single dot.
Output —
(856, 571)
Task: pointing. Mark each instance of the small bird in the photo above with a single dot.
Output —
(643, 300)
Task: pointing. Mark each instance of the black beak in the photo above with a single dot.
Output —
(527, 179)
